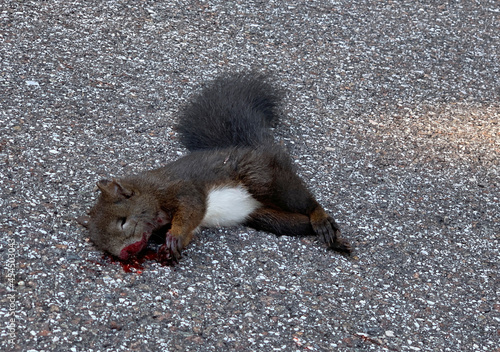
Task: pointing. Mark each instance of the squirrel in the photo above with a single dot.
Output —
(234, 174)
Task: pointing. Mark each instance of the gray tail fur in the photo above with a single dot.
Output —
(233, 111)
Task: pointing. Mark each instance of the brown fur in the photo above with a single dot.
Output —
(176, 195)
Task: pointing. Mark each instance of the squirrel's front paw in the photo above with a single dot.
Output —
(171, 250)
(329, 232)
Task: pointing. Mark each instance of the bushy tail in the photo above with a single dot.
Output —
(234, 110)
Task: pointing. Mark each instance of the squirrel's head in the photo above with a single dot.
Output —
(123, 218)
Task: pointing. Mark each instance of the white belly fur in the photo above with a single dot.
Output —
(228, 205)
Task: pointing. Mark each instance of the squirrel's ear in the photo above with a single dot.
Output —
(114, 189)
(83, 220)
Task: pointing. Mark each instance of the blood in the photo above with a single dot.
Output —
(134, 248)
(135, 263)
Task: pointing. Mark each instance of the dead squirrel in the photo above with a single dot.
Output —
(234, 175)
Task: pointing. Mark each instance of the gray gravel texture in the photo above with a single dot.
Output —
(391, 112)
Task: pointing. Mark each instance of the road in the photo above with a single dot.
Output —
(390, 112)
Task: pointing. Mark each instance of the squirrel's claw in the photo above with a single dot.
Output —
(171, 250)
(329, 232)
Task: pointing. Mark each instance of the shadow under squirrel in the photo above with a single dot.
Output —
(235, 174)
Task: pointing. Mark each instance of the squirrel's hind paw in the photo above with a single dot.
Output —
(329, 232)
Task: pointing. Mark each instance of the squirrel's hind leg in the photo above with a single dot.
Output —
(319, 223)
(280, 222)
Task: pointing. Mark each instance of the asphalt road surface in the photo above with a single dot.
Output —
(391, 112)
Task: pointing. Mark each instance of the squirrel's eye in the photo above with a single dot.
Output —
(122, 222)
